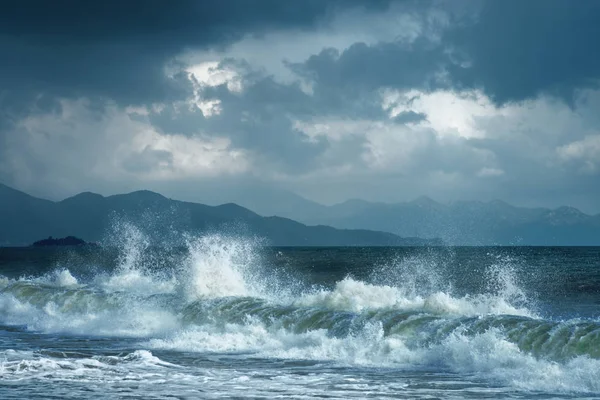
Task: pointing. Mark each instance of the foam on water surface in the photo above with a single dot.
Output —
(220, 300)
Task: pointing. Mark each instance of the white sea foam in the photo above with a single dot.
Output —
(357, 296)
(217, 267)
(132, 275)
(119, 304)
(367, 347)
(136, 281)
(133, 319)
(19, 365)
(488, 355)
(491, 356)
(60, 277)
(63, 277)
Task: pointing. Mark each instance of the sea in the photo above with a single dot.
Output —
(219, 316)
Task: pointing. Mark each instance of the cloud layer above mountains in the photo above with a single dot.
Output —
(380, 100)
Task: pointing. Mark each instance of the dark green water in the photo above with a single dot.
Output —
(224, 317)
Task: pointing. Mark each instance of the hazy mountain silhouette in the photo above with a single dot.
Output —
(461, 223)
(259, 197)
(25, 219)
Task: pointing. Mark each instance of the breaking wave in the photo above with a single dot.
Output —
(219, 297)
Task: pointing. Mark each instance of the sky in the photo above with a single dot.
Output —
(380, 100)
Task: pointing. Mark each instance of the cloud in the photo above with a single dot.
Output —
(350, 81)
(78, 148)
(120, 50)
(585, 152)
(257, 116)
(517, 50)
(522, 152)
(407, 117)
(447, 112)
(334, 99)
(489, 172)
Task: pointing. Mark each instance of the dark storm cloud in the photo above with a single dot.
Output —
(371, 67)
(112, 20)
(349, 82)
(512, 50)
(119, 49)
(519, 49)
(260, 119)
(345, 84)
(321, 109)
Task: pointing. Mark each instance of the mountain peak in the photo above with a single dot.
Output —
(83, 196)
(142, 195)
(7, 192)
(7, 189)
(425, 201)
(568, 210)
(146, 193)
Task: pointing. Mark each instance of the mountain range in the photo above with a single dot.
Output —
(275, 212)
(458, 223)
(25, 219)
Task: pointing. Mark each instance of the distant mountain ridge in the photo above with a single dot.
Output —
(460, 223)
(274, 215)
(24, 219)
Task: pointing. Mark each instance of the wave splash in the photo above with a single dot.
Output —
(219, 297)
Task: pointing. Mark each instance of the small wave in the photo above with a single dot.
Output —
(19, 365)
(135, 281)
(83, 311)
(356, 296)
(491, 355)
(63, 277)
(488, 355)
(60, 277)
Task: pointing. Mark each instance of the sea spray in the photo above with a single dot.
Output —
(418, 283)
(63, 277)
(136, 270)
(501, 278)
(218, 266)
(218, 297)
(414, 275)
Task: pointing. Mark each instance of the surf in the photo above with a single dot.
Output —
(220, 297)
